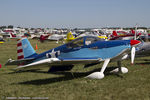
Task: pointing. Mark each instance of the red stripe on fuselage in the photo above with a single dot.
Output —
(18, 51)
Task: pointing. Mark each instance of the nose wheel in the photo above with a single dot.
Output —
(119, 70)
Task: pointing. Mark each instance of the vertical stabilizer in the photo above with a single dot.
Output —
(70, 37)
(24, 49)
(12, 35)
(132, 31)
(115, 33)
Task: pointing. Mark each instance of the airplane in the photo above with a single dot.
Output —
(44, 37)
(129, 36)
(10, 35)
(92, 34)
(84, 50)
(145, 37)
(13, 36)
(71, 37)
(144, 48)
(56, 37)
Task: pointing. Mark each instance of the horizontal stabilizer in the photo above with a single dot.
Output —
(18, 62)
(44, 61)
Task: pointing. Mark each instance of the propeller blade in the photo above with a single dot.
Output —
(132, 55)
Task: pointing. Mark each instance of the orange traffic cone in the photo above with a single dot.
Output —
(36, 48)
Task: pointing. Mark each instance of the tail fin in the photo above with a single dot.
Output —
(24, 49)
(42, 38)
(132, 31)
(13, 35)
(115, 33)
(70, 37)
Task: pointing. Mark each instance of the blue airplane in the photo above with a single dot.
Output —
(84, 50)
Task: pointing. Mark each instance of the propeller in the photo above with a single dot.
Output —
(132, 55)
(133, 43)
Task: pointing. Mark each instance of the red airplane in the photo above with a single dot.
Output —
(128, 36)
(44, 37)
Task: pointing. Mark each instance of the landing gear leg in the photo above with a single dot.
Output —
(119, 66)
(99, 75)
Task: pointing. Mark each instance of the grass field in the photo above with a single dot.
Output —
(135, 85)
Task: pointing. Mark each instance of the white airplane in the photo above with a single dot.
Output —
(56, 37)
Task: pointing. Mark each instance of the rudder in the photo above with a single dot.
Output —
(115, 33)
(24, 49)
(70, 37)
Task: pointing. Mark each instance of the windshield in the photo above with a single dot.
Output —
(76, 43)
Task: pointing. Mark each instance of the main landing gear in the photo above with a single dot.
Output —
(100, 75)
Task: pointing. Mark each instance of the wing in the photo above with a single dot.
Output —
(66, 61)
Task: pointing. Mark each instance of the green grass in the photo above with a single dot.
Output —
(135, 85)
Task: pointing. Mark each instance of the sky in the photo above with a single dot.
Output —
(75, 13)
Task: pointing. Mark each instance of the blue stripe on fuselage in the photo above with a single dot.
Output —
(109, 44)
(105, 49)
(103, 53)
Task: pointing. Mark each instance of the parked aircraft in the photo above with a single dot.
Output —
(56, 37)
(141, 50)
(84, 50)
(128, 36)
(44, 37)
(144, 48)
(71, 37)
(13, 36)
